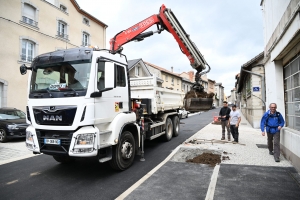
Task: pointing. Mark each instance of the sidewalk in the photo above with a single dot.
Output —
(247, 171)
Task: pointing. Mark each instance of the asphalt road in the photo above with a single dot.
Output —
(41, 177)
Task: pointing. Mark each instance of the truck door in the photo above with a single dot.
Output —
(113, 100)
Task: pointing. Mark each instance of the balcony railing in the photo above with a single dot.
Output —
(29, 21)
(62, 35)
(26, 58)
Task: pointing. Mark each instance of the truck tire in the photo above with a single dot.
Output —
(169, 130)
(176, 126)
(3, 136)
(64, 159)
(123, 153)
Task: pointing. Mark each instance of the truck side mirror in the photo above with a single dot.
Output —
(23, 69)
(110, 76)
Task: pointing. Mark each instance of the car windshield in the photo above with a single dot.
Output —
(12, 114)
(58, 77)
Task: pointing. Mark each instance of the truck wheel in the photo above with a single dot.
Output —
(123, 153)
(3, 136)
(176, 126)
(63, 159)
(168, 130)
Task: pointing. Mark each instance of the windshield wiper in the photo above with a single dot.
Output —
(74, 93)
(41, 95)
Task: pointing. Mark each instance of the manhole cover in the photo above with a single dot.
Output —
(262, 146)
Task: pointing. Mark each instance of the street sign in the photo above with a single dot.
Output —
(255, 89)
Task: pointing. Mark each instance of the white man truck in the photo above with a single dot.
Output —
(81, 102)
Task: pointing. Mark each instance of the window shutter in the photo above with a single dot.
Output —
(29, 11)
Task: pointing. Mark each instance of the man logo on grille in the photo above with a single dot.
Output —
(52, 108)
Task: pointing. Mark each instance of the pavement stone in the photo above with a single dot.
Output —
(14, 150)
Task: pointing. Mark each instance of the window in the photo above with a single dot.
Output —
(292, 94)
(137, 70)
(85, 39)
(86, 21)
(27, 50)
(166, 78)
(172, 80)
(29, 15)
(120, 76)
(62, 30)
(177, 81)
(63, 8)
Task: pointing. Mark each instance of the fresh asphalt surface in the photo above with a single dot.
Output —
(41, 177)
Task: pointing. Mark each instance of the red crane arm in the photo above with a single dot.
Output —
(164, 20)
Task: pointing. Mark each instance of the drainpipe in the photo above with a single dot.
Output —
(263, 89)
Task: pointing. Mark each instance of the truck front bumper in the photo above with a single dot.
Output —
(82, 143)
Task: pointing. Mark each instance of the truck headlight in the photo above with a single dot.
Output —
(85, 139)
(29, 136)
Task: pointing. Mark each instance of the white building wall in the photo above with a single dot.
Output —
(275, 10)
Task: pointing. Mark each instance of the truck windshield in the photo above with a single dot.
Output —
(61, 77)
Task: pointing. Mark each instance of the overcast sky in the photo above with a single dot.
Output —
(227, 32)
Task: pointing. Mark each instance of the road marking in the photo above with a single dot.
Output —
(35, 173)
(12, 182)
(144, 178)
(212, 185)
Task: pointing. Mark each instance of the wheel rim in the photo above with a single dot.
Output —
(126, 150)
(177, 127)
(1, 134)
(170, 129)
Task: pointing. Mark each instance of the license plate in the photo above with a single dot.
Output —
(52, 141)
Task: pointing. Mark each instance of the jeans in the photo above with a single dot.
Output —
(235, 132)
(274, 143)
(225, 124)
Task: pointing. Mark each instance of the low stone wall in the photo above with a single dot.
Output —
(289, 143)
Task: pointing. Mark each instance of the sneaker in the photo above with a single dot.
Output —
(276, 159)
(222, 138)
(271, 153)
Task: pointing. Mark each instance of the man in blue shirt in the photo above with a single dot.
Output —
(272, 121)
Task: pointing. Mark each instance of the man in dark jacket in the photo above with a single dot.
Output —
(273, 122)
(224, 115)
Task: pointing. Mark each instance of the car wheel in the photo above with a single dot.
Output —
(187, 115)
(3, 136)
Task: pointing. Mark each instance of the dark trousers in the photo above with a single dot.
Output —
(274, 143)
(234, 132)
(225, 124)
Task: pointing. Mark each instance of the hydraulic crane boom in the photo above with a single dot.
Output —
(165, 20)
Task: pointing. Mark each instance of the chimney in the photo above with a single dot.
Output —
(172, 69)
(191, 76)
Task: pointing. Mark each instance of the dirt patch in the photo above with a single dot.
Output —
(195, 94)
(206, 158)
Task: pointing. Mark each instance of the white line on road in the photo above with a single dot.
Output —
(212, 185)
(144, 178)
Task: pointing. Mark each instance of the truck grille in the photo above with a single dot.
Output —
(52, 149)
(54, 115)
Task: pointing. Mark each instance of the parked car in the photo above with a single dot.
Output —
(12, 124)
(213, 106)
(183, 114)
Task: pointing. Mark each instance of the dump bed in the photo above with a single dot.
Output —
(161, 99)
